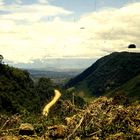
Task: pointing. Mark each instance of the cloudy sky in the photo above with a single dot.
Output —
(32, 30)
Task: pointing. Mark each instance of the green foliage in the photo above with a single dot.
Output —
(18, 92)
(73, 97)
(130, 89)
(45, 90)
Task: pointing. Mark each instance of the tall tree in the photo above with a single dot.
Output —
(1, 58)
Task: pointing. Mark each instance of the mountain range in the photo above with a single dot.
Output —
(55, 64)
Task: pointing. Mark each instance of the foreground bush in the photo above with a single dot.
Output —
(101, 119)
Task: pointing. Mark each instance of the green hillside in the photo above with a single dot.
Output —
(131, 89)
(18, 93)
(107, 73)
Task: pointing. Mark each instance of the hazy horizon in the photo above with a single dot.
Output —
(55, 64)
(68, 31)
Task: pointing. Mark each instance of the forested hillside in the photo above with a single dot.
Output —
(107, 73)
(18, 92)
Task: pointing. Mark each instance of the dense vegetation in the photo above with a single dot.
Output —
(16, 88)
(18, 92)
(108, 73)
(22, 100)
(103, 119)
(130, 89)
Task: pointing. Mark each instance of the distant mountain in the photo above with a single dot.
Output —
(55, 64)
(107, 73)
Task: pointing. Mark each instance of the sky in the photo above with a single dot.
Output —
(45, 30)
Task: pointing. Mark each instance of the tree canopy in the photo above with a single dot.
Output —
(132, 46)
(1, 58)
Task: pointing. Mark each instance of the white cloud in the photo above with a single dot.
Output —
(115, 27)
(31, 13)
(1, 2)
(105, 31)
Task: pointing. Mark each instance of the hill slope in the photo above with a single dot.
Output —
(19, 94)
(131, 89)
(107, 73)
(15, 89)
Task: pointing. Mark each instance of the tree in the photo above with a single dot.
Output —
(131, 46)
(45, 89)
(1, 58)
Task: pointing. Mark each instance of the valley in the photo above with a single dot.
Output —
(58, 77)
(100, 102)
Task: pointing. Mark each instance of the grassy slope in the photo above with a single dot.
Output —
(131, 88)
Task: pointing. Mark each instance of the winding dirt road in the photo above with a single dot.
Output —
(52, 102)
